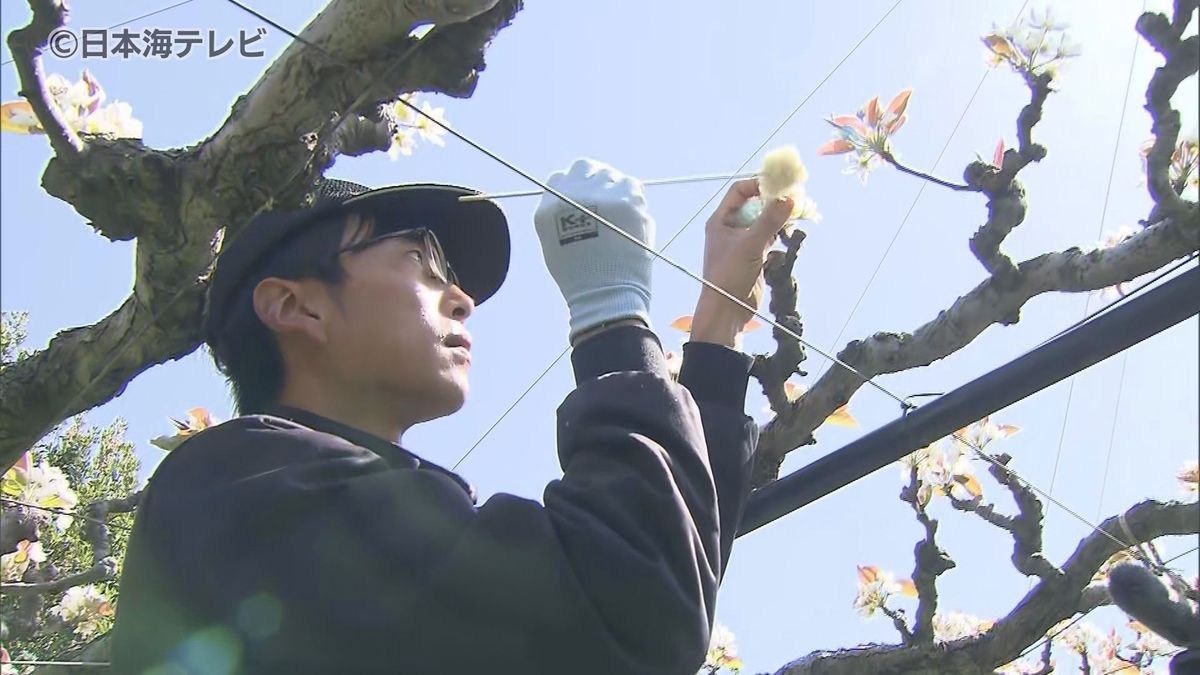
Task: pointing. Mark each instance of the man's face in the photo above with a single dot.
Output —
(397, 330)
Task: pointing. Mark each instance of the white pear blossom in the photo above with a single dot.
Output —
(674, 363)
(430, 130)
(876, 586)
(79, 104)
(722, 651)
(115, 120)
(43, 486)
(1083, 638)
(13, 565)
(1035, 44)
(1150, 643)
(956, 625)
(86, 608)
(1189, 478)
(943, 468)
(984, 431)
(1023, 667)
(403, 142)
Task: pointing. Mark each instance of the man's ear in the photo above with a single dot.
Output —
(287, 306)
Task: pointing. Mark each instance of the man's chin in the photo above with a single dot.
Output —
(455, 395)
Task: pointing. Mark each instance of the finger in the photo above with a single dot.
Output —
(583, 168)
(581, 171)
(774, 216)
(739, 193)
(634, 188)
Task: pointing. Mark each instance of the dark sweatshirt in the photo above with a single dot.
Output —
(290, 543)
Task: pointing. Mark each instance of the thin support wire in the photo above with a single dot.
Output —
(61, 512)
(904, 221)
(1112, 435)
(589, 212)
(701, 209)
(129, 21)
(647, 183)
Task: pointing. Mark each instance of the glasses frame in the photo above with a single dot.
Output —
(435, 256)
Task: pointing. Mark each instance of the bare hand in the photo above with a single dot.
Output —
(733, 261)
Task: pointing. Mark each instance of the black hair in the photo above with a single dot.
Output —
(247, 352)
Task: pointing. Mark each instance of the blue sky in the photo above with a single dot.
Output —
(673, 88)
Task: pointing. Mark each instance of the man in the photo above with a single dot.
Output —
(302, 537)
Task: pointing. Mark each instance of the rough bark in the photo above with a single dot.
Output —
(991, 302)
(174, 202)
(1048, 603)
(1172, 231)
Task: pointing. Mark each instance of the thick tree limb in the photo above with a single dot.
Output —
(1050, 602)
(991, 302)
(175, 202)
(26, 45)
(1046, 605)
(1172, 232)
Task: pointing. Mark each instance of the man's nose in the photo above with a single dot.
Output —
(459, 304)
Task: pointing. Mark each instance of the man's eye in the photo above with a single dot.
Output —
(420, 256)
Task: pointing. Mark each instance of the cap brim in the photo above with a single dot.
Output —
(473, 234)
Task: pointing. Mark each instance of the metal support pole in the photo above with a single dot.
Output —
(1110, 333)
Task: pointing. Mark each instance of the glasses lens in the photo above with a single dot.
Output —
(431, 250)
(433, 253)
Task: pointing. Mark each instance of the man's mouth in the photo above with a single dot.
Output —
(458, 340)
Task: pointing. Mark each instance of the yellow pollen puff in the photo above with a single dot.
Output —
(782, 173)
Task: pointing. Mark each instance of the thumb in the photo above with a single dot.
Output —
(774, 214)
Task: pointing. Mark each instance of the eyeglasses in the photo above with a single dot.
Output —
(434, 258)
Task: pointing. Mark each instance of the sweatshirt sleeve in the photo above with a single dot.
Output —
(717, 378)
(310, 557)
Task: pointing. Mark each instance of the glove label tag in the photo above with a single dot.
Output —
(575, 225)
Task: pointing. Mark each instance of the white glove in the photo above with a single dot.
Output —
(603, 276)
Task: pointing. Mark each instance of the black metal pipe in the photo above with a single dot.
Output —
(1110, 333)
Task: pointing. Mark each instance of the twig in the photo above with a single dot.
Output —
(95, 530)
(772, 371)
(1181, 585)
(891, 159)
(898, 621)
(990, 302)
(1006, 196)
(1047, 667)
(61, 512)
(931, 561)
(26, 45)
(1026, 526)
(1052, 601)
(104, 570)
(1182, 61)
(1028, 151)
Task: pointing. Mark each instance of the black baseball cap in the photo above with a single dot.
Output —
(473, 235)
